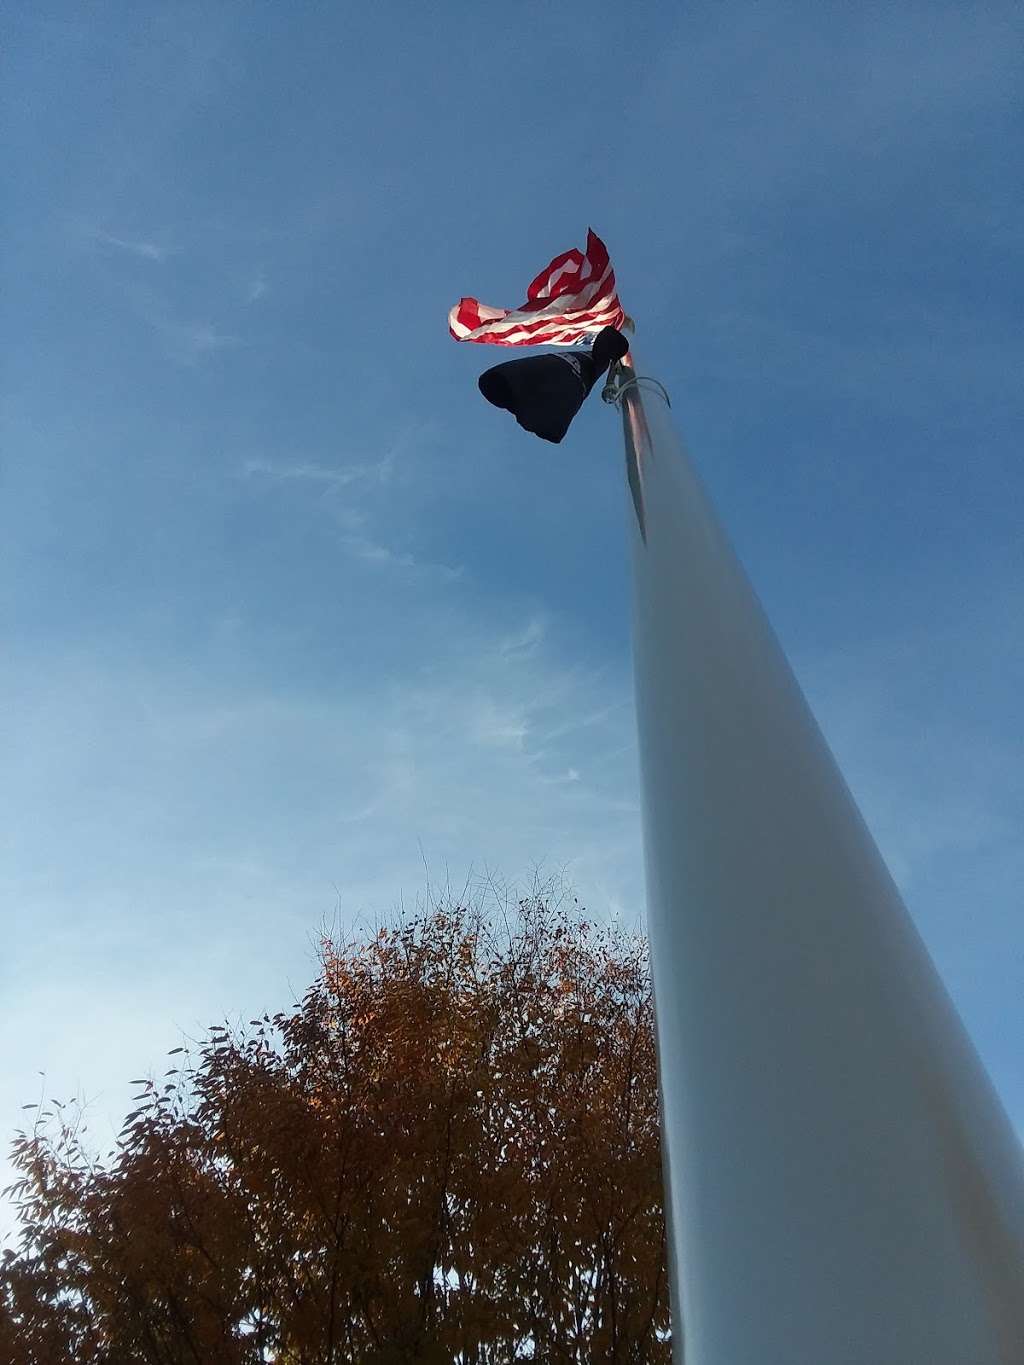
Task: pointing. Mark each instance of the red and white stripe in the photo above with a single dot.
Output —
(574, 296)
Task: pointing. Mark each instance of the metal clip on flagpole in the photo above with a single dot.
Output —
(618, 385)
(621, 378)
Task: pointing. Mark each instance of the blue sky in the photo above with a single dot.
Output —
(293, 620)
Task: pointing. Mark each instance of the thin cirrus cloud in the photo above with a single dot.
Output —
(143, 248)
(350, 495)
(278, 471)
(187, 339)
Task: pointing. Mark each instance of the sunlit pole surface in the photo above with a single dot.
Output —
(845, 1188)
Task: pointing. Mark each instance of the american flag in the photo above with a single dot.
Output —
(574, 296)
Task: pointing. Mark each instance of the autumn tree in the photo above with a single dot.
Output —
(446, 1152)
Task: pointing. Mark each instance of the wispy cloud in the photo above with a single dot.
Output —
(373, 552)
(312, 472)
(187, 341)
(498, 724)
(337, 488)
(147, 249)
(526, 641)
(202, 337)
(256, 288)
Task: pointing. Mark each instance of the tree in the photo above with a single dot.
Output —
(447, 1151)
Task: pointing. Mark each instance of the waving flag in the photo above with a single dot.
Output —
(574, 296)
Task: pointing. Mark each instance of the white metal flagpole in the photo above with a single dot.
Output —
(844, 1186)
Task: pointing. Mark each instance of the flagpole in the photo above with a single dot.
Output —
(843, 1186)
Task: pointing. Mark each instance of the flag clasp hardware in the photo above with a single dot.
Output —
(618, 386)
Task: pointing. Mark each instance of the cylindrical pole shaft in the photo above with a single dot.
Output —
(845, 1188)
